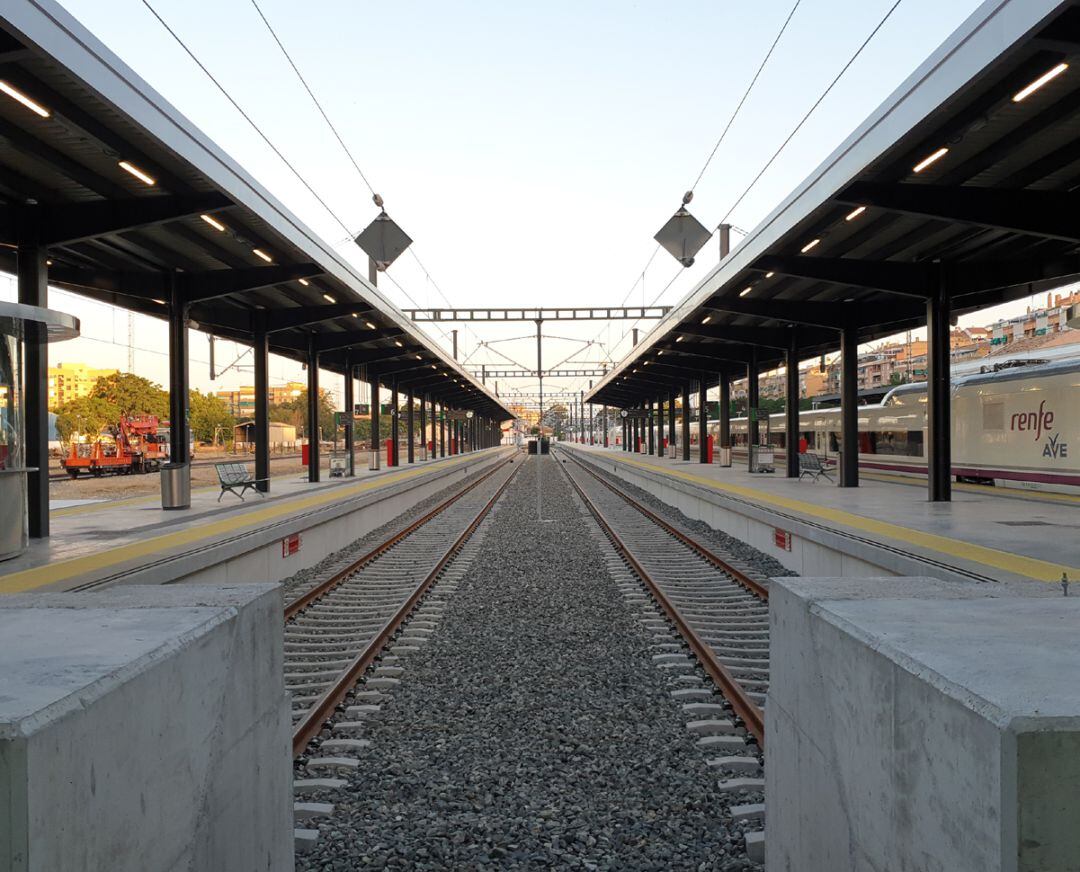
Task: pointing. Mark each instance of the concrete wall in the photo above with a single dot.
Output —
(916, 724)
(144, 728)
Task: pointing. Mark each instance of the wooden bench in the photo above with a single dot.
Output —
(235, 478)
(812, 465)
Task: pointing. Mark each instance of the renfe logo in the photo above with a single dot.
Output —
(1040, 421)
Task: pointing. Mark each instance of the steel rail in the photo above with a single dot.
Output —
(755, 587)
(311, 724)
(741, 703)
(307, 598)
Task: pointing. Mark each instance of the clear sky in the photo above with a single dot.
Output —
(530, 150)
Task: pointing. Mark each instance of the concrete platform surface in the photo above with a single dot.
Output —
(983, 533)
(96, 543)
(921, 724)
(144, 728)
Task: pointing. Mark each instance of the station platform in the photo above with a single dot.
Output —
(883, 526)
(134, 540)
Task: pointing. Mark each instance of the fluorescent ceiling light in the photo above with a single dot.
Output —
(1049, 75)
(854, 213)
(679, 338)
(745, 291)
(135, 171)
(304, 282)
(328, 298)
(19, 96)
(418, 357)
(929, 159)
(769, 275)
(213, 222)
(813, 243)
(370, 326)
(706, 319)
(258, 252)
(399, 344)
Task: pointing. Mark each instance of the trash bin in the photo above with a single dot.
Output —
(175, 486)
(339, 464)
(725, 456)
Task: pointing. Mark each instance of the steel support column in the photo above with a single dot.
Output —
(442, 430)
(394, 416)
(849, 407)
(671, 416)
(685, 428)
(350, 424)
(725, 411)
(260, 350)
(660, 427)
(179, 437)
(703, 420)
(752, 400)
(938, 405)
(314, 473)
(423, 427)
(373, 446)
(410, 433)
(652, 427)
(34, 291)
(604, 424)
(791, 408)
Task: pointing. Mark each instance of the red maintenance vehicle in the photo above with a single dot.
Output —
(135, 445)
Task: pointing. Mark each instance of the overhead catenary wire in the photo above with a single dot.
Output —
(811, 110)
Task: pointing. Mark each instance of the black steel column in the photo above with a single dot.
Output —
(685, 437)
(604, 424)
(849, 407)
(791, 408)
(374, 420)
(652, 428)
(260, 350)
(34, 291)
(423, 427)
(314, 472)
(350, 419)
(410, 433)
(442, 430)
(178, 374)
(938, 405)
(660, 427)
(703, 420)
(725, 411)
(394, 423)
(752, 400)
(671, 416)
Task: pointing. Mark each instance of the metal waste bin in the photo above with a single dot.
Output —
(175, 486)
(725, 456)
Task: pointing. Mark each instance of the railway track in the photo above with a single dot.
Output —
(335, 630)
(719, 611)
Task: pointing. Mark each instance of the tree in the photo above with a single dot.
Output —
(294, 412)
(85, 416)
(132, 395)
(897, 378)
(208, 416)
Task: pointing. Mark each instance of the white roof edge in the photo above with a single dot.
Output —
(988, 32)
(53, 30)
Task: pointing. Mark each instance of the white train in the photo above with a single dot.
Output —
(1018, 426)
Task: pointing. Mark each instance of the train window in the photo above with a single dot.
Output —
(777, 440)
(993, 415)
(834, 441)
(905, 442)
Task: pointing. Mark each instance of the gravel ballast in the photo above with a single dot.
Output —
(533, 729)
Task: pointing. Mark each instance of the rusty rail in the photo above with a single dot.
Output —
(311, 724)
(741, 703)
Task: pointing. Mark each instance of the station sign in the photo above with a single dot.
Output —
(458, 415)
(782, 539)
(362, 410)
(628, 414)
(290, 545)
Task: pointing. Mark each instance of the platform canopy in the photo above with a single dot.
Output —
(960, 187)
(132, 202)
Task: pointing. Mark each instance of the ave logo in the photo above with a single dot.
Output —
(1055, 448)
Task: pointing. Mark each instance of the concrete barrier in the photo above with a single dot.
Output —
(144, 728)
(919, 724)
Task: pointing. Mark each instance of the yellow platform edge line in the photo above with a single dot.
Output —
(39, 576)
(1029, 567)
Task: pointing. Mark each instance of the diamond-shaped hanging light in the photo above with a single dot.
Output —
(383, 241)
(683, 235)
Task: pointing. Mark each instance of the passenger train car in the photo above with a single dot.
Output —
(1018, 426)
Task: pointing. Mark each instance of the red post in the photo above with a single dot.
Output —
(708, 449)
(389, 452)
(305, 453)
